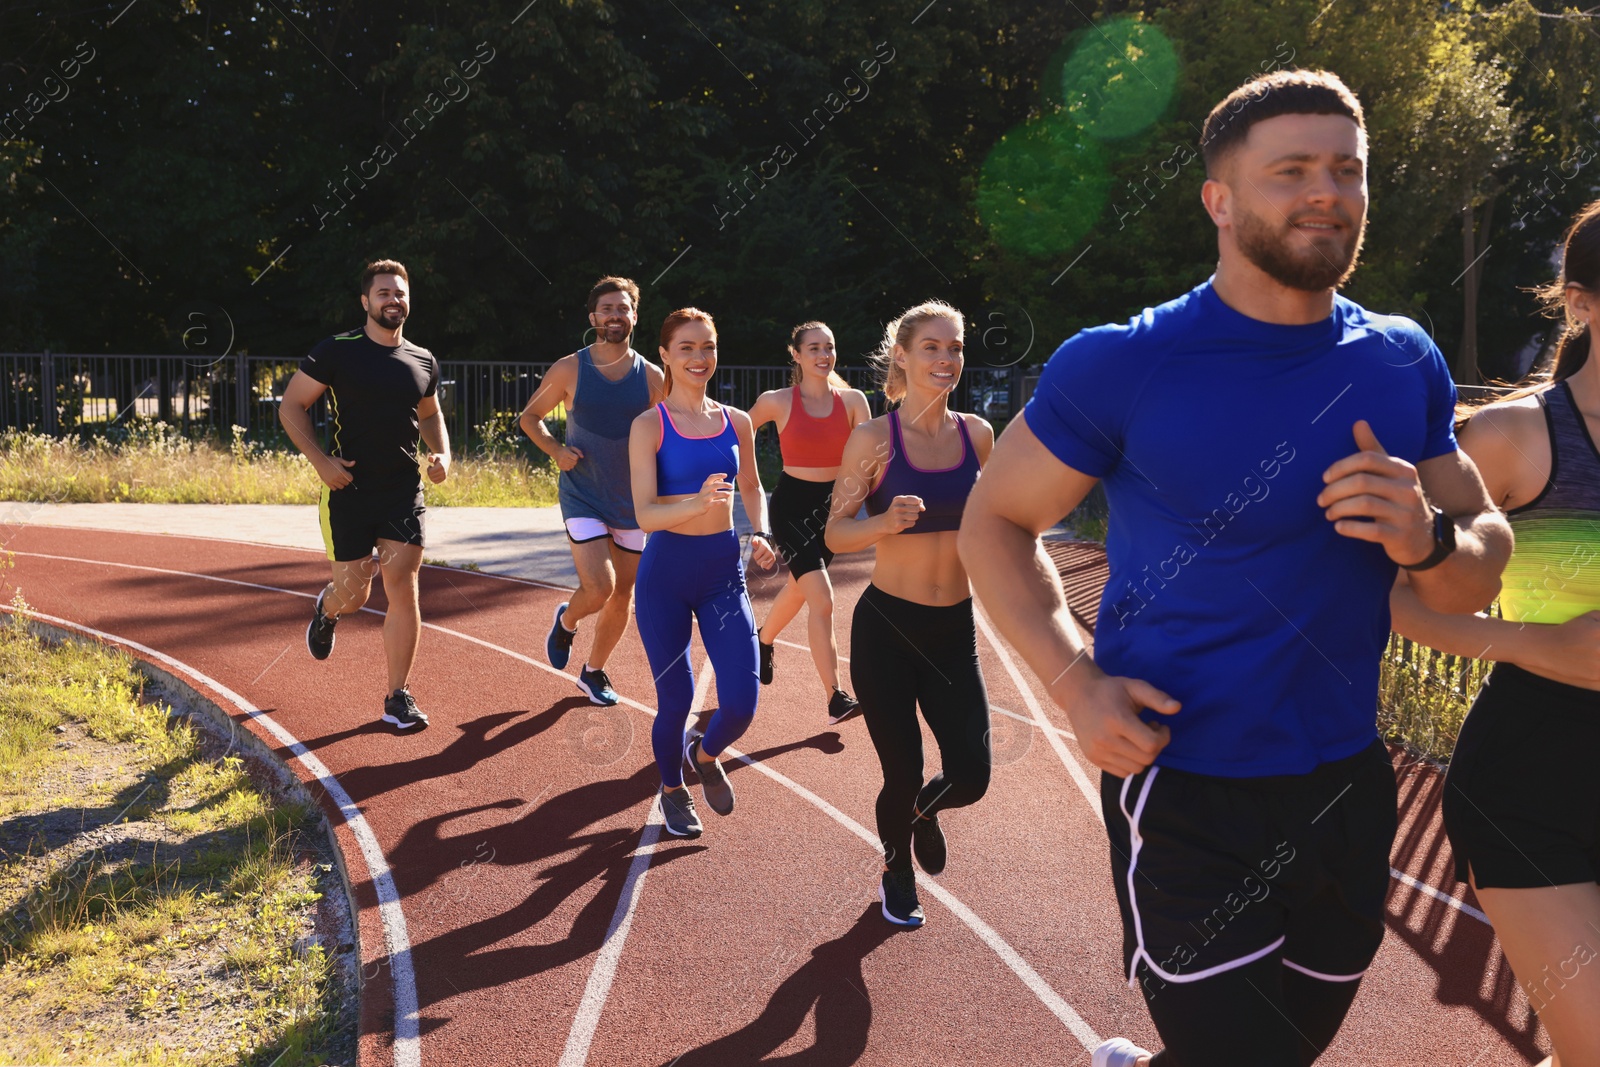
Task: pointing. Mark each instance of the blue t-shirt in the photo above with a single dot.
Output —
(1229, 588)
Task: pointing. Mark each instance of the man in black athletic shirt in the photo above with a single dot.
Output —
(381, 395)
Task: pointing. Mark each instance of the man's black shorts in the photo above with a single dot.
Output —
(1214, 873)
(354, 519)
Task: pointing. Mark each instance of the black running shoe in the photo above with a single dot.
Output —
(597, 686)
(319, 631)
(898, 891)
(842, 706)
(927, 843)
(677, 811)
(400, 711)
(558, 645)
(766, 660)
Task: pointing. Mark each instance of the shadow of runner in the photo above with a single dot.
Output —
(828, 742)
(473, 745)
(494, 950)
(1472, 971)
(832, 980)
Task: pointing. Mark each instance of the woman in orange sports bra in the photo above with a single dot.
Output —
(814, 416)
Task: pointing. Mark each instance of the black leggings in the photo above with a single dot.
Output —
(1275, 1016)
(901, 655)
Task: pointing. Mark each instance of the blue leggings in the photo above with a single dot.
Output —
(684, 577)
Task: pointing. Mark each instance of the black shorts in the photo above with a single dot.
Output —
(799, 513)
(354, 519)
(1215, 873)
(1522, 799)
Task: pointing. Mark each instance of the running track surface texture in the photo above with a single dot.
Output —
(519, 903)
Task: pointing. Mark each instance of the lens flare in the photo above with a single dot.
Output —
(1042, 186)
(1119, 78)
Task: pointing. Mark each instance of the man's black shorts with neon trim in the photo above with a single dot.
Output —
(1215, 873)
(354, 520)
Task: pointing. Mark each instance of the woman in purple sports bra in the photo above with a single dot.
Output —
(912, 639)
(1521, 803)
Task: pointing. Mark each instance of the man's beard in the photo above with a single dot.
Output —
(386, 321)
(1318, 268)
(613, 333)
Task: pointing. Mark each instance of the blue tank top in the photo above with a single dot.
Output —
(943, 492)
(598, 421)
(684, 463)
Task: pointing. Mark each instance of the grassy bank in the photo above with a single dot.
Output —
(156, 907)
(153, 464)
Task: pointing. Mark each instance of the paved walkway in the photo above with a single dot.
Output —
(516, 542)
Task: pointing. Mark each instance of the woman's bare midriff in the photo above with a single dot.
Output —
(922, 568)
(716, 520)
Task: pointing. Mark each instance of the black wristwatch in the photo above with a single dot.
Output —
(1444, 542)
(764, 536)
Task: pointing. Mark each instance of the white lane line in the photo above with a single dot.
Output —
(407, 1033)
(1068, 760)
(702, 685)
(598, 988)
(1008, 955)
(1438, 894)
(318, 552)
(604, 971)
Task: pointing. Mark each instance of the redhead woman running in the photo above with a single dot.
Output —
(912, 639)
(1522, 801)
(685, 454)
(814, 416)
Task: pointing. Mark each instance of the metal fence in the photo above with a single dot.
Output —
(77, 394)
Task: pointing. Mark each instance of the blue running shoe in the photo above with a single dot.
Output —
(597, 686)
(558, 645)
(898, 891)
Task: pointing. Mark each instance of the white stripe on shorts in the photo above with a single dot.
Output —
(1136, 842)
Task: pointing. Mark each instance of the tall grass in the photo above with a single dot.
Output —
(1424, 695)
(153, 463)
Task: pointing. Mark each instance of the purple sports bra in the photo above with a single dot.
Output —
(943, 492)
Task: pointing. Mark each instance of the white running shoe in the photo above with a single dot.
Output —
(1117, 1052)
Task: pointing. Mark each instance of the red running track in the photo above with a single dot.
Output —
(539, 918)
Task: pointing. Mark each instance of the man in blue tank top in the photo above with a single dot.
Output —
(603, 388)
(1272, 453)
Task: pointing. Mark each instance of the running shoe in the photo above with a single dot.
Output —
(898, 891)
(927, 843)
(842, 706)
(558, 645)
(713, 779)
(319, 632)
(766, 660)
(400, 711)
(597, 686)
(677, 811)
(1117, 1052)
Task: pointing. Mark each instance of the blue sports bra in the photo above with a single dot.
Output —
(684, 463)
(943, 492)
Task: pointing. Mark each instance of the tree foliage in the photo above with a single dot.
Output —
(1033, 164)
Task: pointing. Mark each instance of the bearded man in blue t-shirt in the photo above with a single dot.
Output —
(1273, 454)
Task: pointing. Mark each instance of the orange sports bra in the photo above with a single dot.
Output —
(807, 441)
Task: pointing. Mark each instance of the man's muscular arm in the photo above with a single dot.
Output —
(556, 388)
